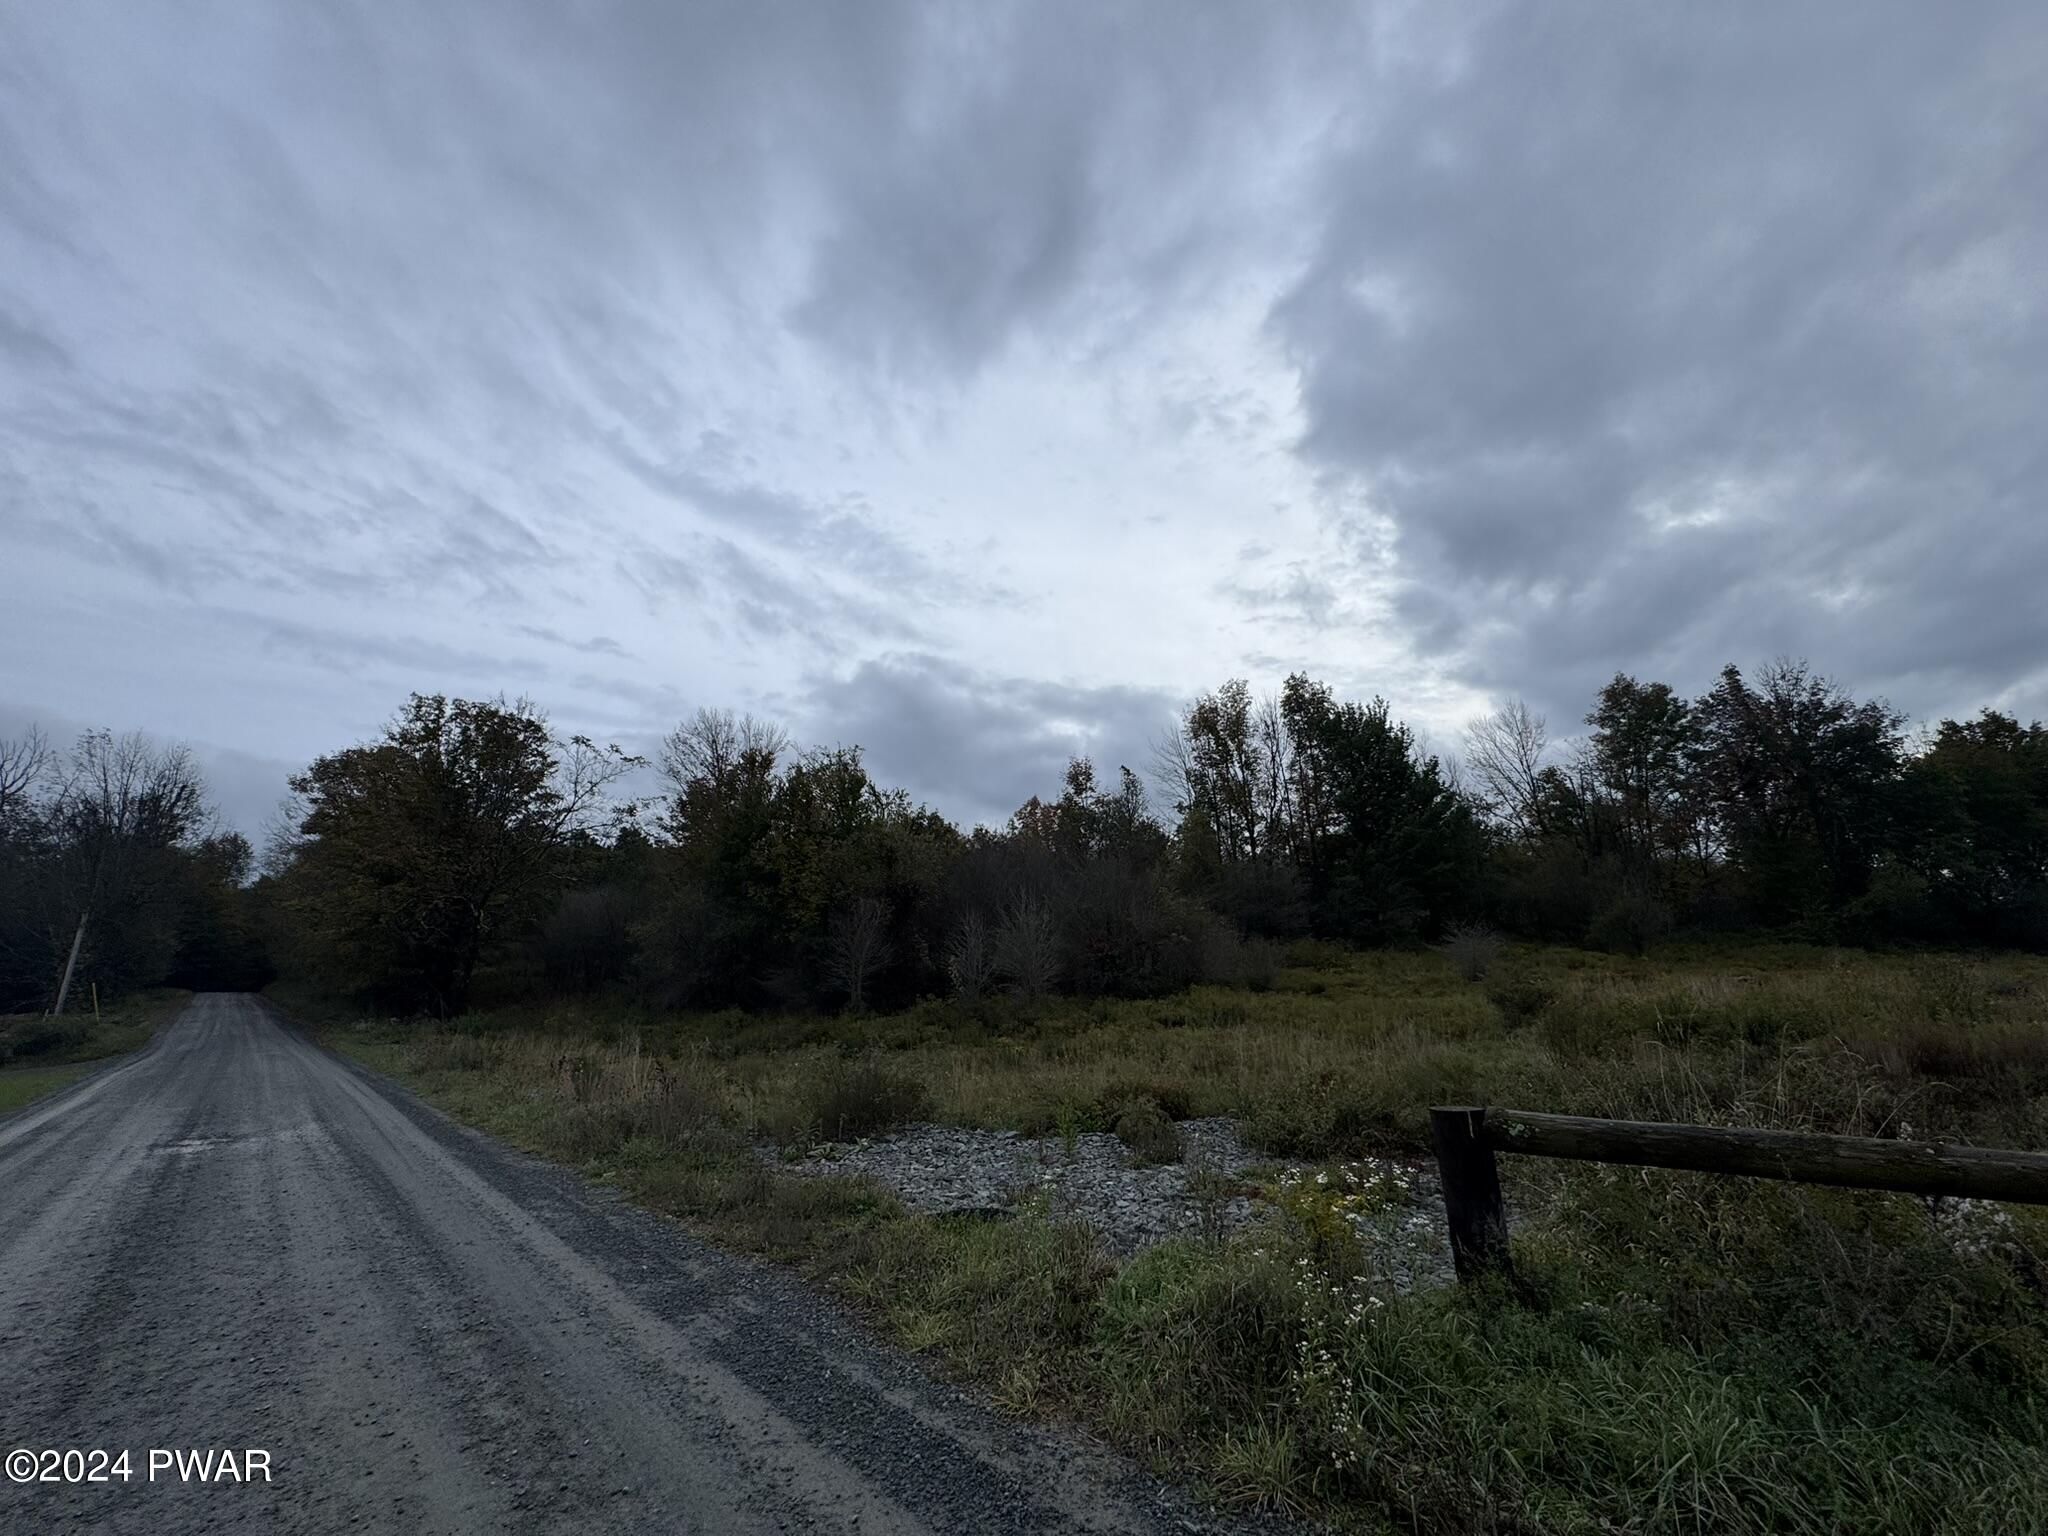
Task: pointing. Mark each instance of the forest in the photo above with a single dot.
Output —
(471, 855)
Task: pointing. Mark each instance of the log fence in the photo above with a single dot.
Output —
(1468, 1141)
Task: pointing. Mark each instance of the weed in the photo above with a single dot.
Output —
(1144, 1129)
(1209, 1189)
(869, 1096)
(1069, 1120)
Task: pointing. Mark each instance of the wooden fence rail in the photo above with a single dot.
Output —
(1468, 1139)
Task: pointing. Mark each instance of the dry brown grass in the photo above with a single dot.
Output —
(1342, 1057)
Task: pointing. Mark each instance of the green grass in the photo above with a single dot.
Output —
(38, 1056)
(24, 1085)
(1686, 1353)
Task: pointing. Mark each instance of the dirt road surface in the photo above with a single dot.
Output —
(236, 1240)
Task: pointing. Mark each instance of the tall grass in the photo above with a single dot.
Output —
(1685, 1354)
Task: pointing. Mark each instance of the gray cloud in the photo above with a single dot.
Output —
(974, 379)
(1663, 335)
(243, 789)
(596, 645)
(29, 345)
(980, 745)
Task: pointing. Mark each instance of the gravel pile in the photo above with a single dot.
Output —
(943, 1168)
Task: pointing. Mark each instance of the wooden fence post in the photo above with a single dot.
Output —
(1477, 1215)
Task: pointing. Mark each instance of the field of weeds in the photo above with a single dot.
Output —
(1688, 1353)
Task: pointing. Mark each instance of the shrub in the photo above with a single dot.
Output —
(1016, 1299)
(1329, 1111)
(1027, 949)
(1316, 954)
(970, 959)
(1172, 1099)
(445, 1051)
(1142, 1126)
(1220, 955)
(40, 1036)
(1126, 935)
(1265, 897)
(1897, 905)
(1521, 998)
(1629, 925)
(1472, 950)
(867, 1097)
(1261, 959)
(610, 1098)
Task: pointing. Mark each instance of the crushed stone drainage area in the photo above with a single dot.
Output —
(1093, 1177)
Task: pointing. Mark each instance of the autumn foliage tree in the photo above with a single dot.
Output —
(415, 857)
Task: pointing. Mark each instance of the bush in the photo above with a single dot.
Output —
(1521, 998)
(1027, 949)
(970, 959)
(1142, 1126)
(1898, 905)
(1172, 1099)
(39, 1037)
(1316, 955)
(1261, 964)
(867, 1097)
(608, 1098)
(1127, 936)
(1473, 951)
(1551, 891)
(1264, 897)
(1327, 1112)
(1630, 925)
(1225, 959)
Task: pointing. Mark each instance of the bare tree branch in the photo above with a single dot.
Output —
(1504, 753)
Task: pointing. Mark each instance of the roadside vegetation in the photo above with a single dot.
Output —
(39, 1055)
(1689, 1353)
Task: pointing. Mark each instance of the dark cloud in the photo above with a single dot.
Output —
(1667, 336)
(1049, 160)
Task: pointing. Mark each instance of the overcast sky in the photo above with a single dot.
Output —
(975, 382)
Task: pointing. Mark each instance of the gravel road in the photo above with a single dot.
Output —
(237, 1240)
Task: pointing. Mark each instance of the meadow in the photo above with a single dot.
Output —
(1683, 1353)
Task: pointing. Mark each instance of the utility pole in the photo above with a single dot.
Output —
(64, 989)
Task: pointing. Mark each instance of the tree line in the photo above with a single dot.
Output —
(109, 850)
(1776, 803)
(470, 852)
